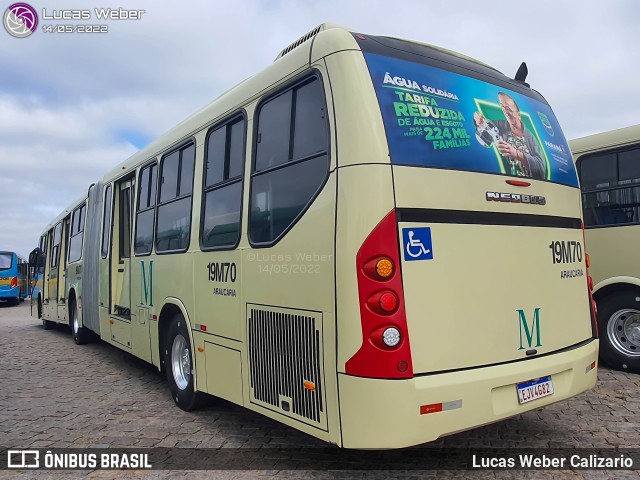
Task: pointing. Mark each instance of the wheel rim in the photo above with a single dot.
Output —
(181, 362)
(76, 326)
(623, 330)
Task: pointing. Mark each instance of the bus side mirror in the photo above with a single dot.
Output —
(35, 254)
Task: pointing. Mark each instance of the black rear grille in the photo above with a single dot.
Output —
(284, 353)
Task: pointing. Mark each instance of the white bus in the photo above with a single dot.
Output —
(609, 167)
(375, 241)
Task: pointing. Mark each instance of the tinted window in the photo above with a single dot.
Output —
(144, 232)
(186, 170)
(220, 224)
(42, 258)
(629, 166)
(143, 188)
(77, 227)
(236, 149)
(174, 208)
(215, 156)
(611, 188)
(310, 134)
(125, 223)
(55, 249)
(145, 217)
(612, 207)
(273, 132)
(106, 224)
(169, 183)
(174, 225)
(280, 195)
(598, 171)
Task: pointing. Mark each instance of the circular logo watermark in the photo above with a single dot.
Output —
(20, 20)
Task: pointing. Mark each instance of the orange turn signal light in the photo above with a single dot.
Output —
(309, 385)
(384, 267)
(587, 260)
(380, 268)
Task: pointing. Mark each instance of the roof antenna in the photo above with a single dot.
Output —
(521, 74)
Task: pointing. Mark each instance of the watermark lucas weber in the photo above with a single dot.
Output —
(99, 14)
(21, 19)
(290, 264)
(543, 461)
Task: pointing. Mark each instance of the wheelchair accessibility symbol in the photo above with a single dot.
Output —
(417, 243)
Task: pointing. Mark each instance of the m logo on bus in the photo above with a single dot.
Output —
(146, 297)
(529, 329)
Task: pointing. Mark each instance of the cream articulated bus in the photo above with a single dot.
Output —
(360, 242)
(609, 167)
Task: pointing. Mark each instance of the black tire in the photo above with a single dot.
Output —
(48, 324)
(180, 373)
(619, 329)
(80, 334)
(14, 301)
(39, 307)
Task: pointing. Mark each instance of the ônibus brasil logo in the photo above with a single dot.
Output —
(20, 20)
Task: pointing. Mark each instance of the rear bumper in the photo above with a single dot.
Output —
(10, 293)
(386, 413)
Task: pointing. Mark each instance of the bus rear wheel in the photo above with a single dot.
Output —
(179, 366)
(619, 327)
(80, 334)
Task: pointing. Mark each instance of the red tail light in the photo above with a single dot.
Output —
(385, 351)
(384, 303)
(14, 282)
(592, 303)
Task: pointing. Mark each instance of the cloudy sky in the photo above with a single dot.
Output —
(72, 106)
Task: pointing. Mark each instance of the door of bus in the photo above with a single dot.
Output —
(51, 291)
(121, 254)
(62, 272)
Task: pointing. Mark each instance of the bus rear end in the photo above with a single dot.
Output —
(473, 291)
(11, 279)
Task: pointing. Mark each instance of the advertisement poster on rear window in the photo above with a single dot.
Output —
(440, 119)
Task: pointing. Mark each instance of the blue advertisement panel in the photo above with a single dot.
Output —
(435, 118)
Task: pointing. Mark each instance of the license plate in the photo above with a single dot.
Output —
(534, 389)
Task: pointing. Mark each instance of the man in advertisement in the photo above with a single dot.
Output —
(520, 151)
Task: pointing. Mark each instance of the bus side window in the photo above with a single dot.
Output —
(220, 225)
(77, 229)
(146, 210)
(611, 188)
(173, 226)
(106, 222)
(291, 160)
(41, 259)
(55, 245)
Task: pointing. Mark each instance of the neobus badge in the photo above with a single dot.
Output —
(516, 198)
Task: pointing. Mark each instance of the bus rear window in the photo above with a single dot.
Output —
(440, 119)
(6, 259)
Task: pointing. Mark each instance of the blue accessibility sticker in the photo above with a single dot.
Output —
(417, 243)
